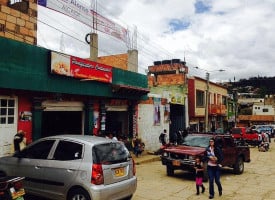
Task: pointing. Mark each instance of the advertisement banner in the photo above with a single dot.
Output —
(81, 12)
(66, 65)
(157, 104)
(75, 9)
(109, 27)
(175, 94)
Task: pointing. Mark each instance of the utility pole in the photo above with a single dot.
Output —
(206, 102)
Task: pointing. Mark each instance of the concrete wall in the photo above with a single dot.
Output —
(147, 131)
(259, 110)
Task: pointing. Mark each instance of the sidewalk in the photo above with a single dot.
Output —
(145, 157)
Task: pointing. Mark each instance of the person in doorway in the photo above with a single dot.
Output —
(199, 175)
(138, 146)
(163, 137)
(214, 158)
(19, 140)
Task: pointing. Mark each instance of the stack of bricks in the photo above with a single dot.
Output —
(16, 24)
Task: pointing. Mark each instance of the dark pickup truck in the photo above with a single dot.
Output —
(182, 156)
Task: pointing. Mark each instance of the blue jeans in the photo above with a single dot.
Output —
(214, 174)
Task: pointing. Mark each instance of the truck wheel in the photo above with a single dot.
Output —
(169, 170)
(239, 166)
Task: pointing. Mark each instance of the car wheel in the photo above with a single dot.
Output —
(78, 194)
(239, 166)
(169, 170)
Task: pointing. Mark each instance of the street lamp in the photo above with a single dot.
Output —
(207, 95)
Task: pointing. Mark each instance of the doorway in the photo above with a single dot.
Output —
(61, 122)
(117, 123)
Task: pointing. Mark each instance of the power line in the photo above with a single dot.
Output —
(148, 52)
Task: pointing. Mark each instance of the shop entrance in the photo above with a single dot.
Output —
(117, 123)
(177, 117)
(61, 122)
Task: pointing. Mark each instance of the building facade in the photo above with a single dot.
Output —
(214, 113)
(166, 107)
(47, 93)
(40, 95)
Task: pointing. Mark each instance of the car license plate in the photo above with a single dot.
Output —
(176, 163)
(119, 172)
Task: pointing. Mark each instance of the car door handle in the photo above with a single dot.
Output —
(37, 167)
(70, 170)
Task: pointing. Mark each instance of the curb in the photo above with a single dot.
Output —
(157, 158)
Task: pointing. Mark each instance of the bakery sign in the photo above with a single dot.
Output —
(80, 68)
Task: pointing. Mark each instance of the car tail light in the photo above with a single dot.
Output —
(97, 174)
(134, 167)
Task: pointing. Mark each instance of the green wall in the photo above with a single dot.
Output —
(27, 67)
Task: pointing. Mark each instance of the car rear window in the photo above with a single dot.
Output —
(110, 153)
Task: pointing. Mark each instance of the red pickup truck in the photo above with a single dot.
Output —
(247, 135)
(182, 156)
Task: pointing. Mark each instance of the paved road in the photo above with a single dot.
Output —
(256, 183)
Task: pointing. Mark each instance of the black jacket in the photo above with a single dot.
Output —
(218, 153)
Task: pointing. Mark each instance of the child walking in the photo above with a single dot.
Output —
(199, 175)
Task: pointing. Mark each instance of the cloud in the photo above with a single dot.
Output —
(235, 35)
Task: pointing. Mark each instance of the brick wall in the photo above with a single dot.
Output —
(118, 61)
(16, 24)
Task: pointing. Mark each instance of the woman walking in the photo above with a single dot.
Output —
(214, 158)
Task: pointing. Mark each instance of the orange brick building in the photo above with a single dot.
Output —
(18, 21)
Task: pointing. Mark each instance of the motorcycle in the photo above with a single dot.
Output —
(264, 146)
(11, 188)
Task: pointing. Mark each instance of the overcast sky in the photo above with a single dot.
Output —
(234, 35)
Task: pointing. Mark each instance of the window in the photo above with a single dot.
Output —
(39, 150)
(199, 98)
(7, 111)
(110, 153)
(20, 5)
(265, 109)
(67, 150)
(223, 100)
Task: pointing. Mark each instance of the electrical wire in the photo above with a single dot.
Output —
(146, 51)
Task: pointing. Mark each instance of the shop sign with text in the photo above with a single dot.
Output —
(66, 65)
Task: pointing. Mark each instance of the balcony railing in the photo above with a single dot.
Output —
(215, 109)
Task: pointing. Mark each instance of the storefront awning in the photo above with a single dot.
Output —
(129, 90)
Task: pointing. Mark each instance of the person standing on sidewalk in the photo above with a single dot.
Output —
(163, 137)
(214, 158)
(199, 175)
(19, 140)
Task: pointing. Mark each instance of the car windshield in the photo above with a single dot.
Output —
(196, 140)
(110, 153)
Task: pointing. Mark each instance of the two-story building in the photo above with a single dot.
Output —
(214, 113)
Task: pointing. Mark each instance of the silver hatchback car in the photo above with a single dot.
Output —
(71, 167)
